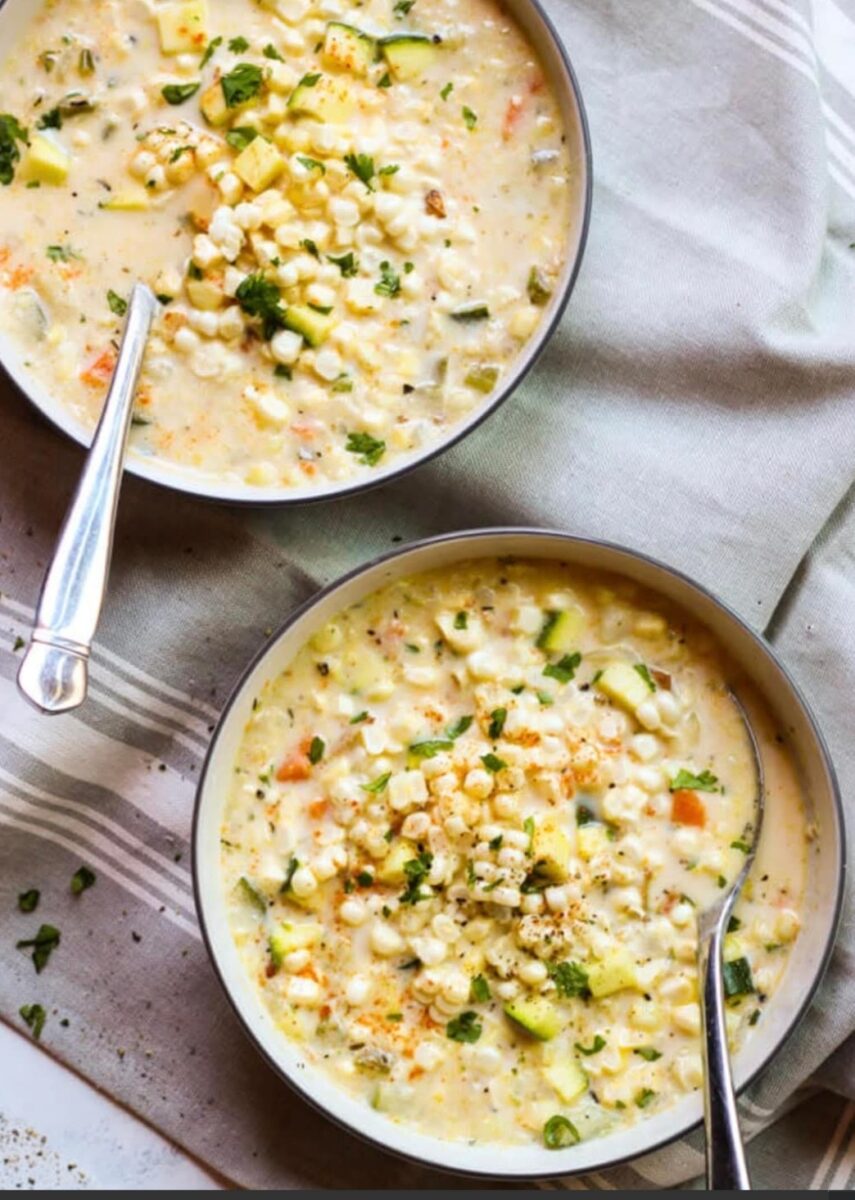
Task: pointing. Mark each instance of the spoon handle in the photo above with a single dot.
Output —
(54, 671)
(726, 1166)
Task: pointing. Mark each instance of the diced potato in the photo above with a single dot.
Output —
(205, 295)
(391, 869)
(131, 200)
(591, 840)
(213, 105)
(183, 26)
(551, 849)
(367, 674)
(259, 164)
(568, 1079)
(623, 684)
(45, 161)
(612, 974)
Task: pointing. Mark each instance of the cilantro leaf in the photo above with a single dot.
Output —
(242, 84)
(178, 93)
(362, 167)
(705, 782)
(464, 1028)
(369, 449)
(258, 297)
(11, 132)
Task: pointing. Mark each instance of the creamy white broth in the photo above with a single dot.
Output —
(468, 842)
(455, 173)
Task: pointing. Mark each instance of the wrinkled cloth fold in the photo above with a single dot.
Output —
(697, 403)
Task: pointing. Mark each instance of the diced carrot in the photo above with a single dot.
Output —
(296, 766)
(100, 371)
(687, 808)
(5, 255)
(415, 1072)
(18, 278)
(317, 809)
(512, 115)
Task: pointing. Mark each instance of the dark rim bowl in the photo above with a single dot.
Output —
(529, 14)
(759, 669)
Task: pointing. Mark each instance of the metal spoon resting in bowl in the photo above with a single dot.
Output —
(55, 670)
(725, 1153)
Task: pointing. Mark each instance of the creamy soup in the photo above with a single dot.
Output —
(354, 215)
(471, 830)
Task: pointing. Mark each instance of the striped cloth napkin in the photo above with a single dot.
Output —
(696, 404)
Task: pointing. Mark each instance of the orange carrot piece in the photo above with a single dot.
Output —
(99, 372)
(687, 808)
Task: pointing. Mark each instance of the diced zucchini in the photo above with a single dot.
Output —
(131, 200)
(482, 378)
(623, 684)
(568, 1079)
(259, 164)
(409, 55)
(734, 947)
(551, 849)
(536, 1015)
(349, 48)
(391, 869)
(561, 631)
(591, 840)
(614, 973)
(183, 26)
(287, 938)
(324, 98)
(313, 325)
(45, 161)
(213, 105)
(204, 294)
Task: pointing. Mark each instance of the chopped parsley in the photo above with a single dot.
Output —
(471, 312)
(461, 621)
(241, 85)
(736, 975)
(402, 7)
(647, 1053)
(430, 748)
(497, 722)
(293, 865)
(52, 119)
(390, 169)
(465, 1028)
(213, 46)
(258, 297)
(493, 763)
(346, 263)
(447, 90)
(34, 1016)
(251, 894)
(60, 253)
(479, 990)
(644, 1097)
(11, 132)
(28, 901)
(570, 979)
(82, 879)
(316, 750)
(565, 669)
(116, 303)
(311, 247)
(385, 81)
(378, 785)
(496, 842)
(311, 164)
(179, 93)
(369, 449)
(705, 782)
(595, 1047)
(238, 45)
(362, 166)
(469, 117)
(390, 281)
(42, 945)
(559, 1133)
(365, 879)
(241, 136)
(740, 844)
(358, 719)
(644, 672)
(270, 51)
(459, 727)
(416, 871)
(283, 371)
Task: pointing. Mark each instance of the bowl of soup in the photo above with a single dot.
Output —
(455, 830)
(362, 225)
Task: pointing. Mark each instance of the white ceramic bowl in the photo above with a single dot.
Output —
(15, 15)
(759, 668)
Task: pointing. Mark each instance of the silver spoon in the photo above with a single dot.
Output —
(55, 670)
(725, 1153)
